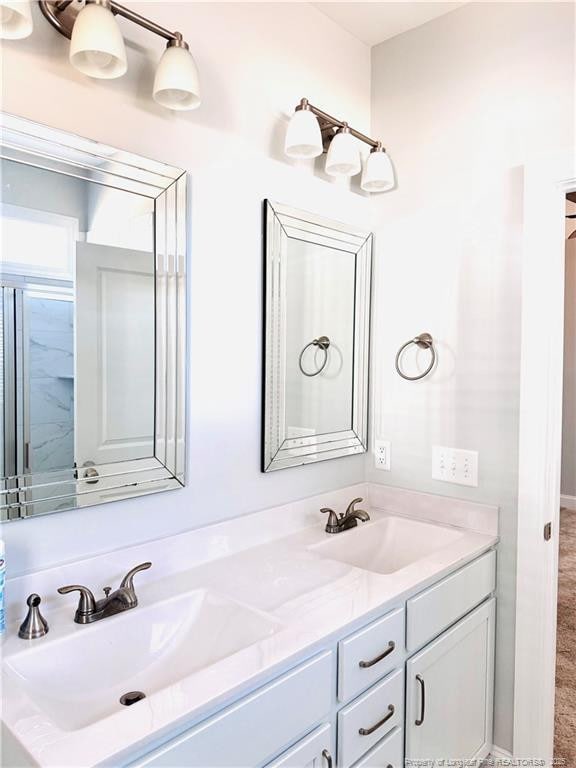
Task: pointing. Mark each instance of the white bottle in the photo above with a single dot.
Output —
(2, 586)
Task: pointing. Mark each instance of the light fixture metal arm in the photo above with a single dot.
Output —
(330, 121)
(62, 14)
(142, 21)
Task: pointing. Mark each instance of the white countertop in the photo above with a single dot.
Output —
(309, 597)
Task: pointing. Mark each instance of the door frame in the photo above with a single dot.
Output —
(547, 181)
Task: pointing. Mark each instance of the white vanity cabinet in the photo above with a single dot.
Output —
(415, 683)
(449, 688)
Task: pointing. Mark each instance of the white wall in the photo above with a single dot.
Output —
(463, 103)
(569, 409)
(256, 61)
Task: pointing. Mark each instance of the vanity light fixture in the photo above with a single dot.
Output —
(343, 157)
(303, 137)
(378, 174)
(15, 19)
(97, 47)
(312, 131)
(177, 84)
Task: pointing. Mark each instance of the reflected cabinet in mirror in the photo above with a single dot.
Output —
(93, 308)
(317, 305)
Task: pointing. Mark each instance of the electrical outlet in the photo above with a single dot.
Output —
(382, 454)
(452, 465)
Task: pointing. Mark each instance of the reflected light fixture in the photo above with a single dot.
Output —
(97, 47)
(15, 19)
(312, 131)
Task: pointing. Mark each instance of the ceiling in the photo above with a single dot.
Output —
(375, 22)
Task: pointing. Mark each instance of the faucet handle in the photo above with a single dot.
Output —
(87, 602)
(128, 580)
(352, 504)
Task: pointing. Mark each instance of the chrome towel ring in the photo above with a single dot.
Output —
(323, 342)
(424, 341)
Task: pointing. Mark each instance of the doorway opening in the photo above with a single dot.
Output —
(565, 711)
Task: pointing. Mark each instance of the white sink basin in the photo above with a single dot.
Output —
(388, 545)
(79, 679)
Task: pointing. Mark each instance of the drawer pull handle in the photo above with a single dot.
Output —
(387, 652)
(328, 757)
(368, 731)
(420, 720)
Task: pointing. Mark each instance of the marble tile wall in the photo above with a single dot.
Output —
(51, 373)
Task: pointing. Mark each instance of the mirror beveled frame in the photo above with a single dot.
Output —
(29, 495)
(282, 223)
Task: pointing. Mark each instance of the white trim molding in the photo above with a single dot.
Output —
(568, 502)
(542, 355)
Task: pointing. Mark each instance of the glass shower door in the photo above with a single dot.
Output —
(36, 380)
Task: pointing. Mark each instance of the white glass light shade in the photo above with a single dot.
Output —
(378, 175)
(343, 156)
(97, 47)
(303, 137)
(177, 85)
(15, 19)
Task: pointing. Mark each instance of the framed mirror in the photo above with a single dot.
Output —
(317, 337)
(93, 322)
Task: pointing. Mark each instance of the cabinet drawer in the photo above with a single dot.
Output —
(309, 752)
(366, 656)
(389, 753)
(435, 609)
(247, 733)
(365, 721)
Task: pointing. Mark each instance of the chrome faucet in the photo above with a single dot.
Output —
(338, 523)
(90, 610)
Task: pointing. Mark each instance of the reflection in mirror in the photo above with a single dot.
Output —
(318, 401)
(317, 333)
(78, 335)
(83, 335)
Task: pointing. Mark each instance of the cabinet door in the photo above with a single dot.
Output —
(449, 692)
(314, 751)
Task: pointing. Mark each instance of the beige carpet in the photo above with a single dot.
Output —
(565, 732)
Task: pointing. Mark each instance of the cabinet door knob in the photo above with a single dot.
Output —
(420, 720)
(328, 757)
